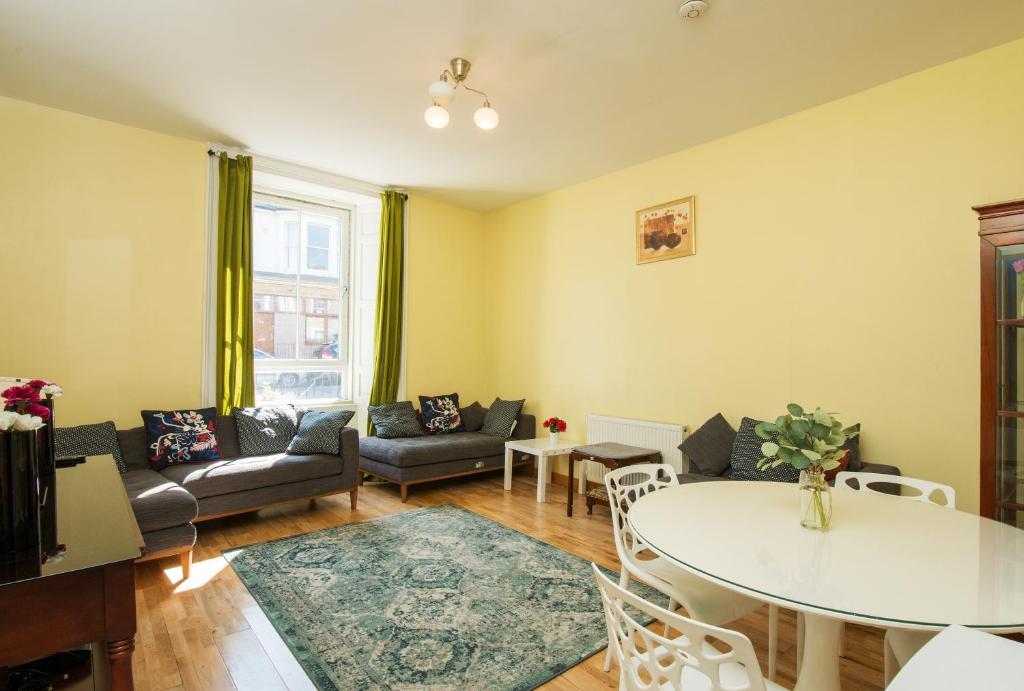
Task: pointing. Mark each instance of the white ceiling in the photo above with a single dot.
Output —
(583, 87)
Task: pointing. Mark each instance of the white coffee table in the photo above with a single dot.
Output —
(543, 449)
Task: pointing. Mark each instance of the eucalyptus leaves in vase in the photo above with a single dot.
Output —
(811, 442)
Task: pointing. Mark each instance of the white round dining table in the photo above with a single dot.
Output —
(884, 561)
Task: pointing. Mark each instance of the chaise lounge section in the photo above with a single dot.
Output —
(169, 502)
(412, 460)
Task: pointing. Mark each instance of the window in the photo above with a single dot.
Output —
(301, 308)
(318, 247)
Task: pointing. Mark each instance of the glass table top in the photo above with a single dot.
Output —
(885, 561)
(94, 521)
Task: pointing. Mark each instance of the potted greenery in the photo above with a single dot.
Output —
(811, 442)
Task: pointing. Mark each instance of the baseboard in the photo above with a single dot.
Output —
(563, 481)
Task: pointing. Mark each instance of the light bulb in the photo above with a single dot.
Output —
(486, 118)
(436, 116)
(441, 92)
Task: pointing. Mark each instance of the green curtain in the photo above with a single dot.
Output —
(235, 382)
(387, 333)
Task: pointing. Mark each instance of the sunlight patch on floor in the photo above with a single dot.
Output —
(202, 573)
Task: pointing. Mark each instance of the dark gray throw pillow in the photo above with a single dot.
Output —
(473, 416)
(319, 432)
(746, 452)
(710, 447)
(853, 446)
(89, 440)
(264, 431)
(395, 420)
(501, 418)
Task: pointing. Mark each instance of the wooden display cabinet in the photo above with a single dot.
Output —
(1002, 361)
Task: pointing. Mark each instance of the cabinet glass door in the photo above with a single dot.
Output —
(1010, 383)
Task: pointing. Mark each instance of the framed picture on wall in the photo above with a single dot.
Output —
(665, 231)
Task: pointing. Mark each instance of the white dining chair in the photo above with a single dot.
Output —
(959, 658)
(682, 658)
(900, 644)
(925, 489)
(702, 599)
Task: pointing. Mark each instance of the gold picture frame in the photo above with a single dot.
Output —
(666, 231)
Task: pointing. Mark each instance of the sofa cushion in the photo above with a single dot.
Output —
(473, 416)
(180, 436)
(262, 431)
(501, 418)
(395, 420)
(746, 452)
(853, 446)
(89, 440)
(320, 432)
(158, 502)
(710, 447)
(413, 451)
(441, 414)
(214, 478)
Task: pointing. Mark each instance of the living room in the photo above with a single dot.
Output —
(310, 299)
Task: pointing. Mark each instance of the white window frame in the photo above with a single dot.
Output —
(346, 214)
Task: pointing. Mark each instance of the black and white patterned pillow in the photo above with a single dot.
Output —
(265, 431)
(320, 432)
(89, 440)
(501, 418)
(395, 420)
(746, 452)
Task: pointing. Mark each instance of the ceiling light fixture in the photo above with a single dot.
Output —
(692, 9)
(443, 91)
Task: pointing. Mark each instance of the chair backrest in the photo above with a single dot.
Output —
(625, 486)
(649, 661)
(926, 488)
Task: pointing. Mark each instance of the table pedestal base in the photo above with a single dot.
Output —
(819, 670)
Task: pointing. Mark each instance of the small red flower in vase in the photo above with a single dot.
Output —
(554, 425)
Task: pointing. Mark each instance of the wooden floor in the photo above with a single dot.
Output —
(207, 633)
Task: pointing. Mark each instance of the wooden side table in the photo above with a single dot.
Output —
(86, 594)
(611, 455)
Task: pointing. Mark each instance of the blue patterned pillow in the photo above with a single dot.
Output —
(180, 436)
(441, 414)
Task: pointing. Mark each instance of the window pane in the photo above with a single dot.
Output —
(318, 259)
(299, 385)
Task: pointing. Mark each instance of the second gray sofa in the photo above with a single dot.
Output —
(412, 460)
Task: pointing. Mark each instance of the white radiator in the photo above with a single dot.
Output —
(663, 436)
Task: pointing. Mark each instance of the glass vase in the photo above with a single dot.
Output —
(815, 500)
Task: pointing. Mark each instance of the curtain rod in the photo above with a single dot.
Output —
(211, 152)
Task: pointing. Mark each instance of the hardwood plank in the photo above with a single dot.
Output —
(213, 635)
(248, 664)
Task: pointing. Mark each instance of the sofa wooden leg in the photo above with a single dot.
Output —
(353, 497)
(405, 492)
(312, 503)
(359, 480)
(186, 564)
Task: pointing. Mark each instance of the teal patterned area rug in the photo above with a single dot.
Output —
(435, 598)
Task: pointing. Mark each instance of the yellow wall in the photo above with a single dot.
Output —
(837, 265)
(446, 302)
(102, 260)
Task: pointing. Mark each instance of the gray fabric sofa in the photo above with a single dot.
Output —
(168, 503)
(413, 460)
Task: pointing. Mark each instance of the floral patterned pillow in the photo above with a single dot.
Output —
(441, 414)
(180, 436)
